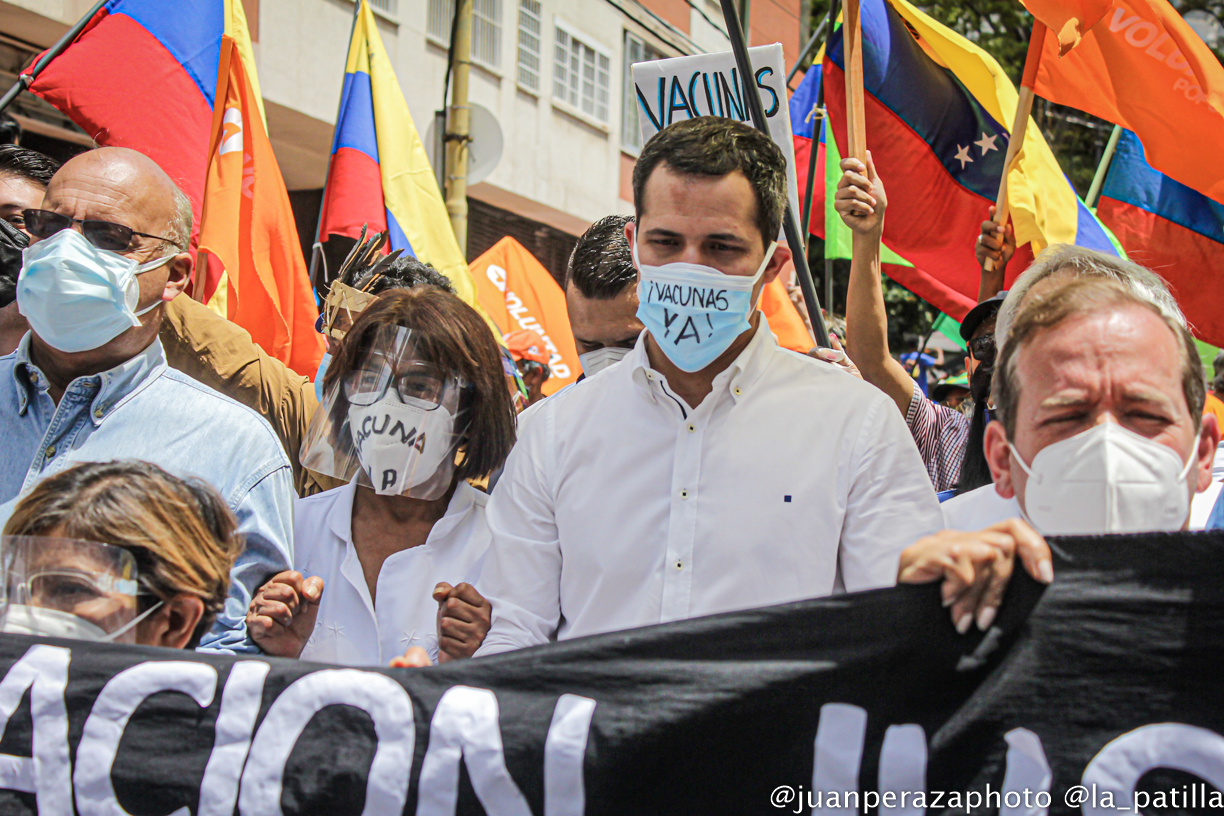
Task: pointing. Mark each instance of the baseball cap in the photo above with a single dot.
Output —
(527, 345)
(980, 313)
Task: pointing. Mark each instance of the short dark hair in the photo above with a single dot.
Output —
(714, 146)
(601, 265)
(27, 164)
(405, 272)
(455, 338)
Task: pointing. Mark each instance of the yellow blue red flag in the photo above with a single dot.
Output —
(379, 173)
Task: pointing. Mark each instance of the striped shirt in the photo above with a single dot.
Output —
(940, 433)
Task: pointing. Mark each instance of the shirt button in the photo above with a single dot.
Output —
(738, 391)
(649, 375)
(692, 428)
(33, 377)
(683, 493)
(679, 565)
(50, 451)
(99, 412)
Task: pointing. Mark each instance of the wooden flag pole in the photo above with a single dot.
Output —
(1024, 107)
(852, 39)
(199, 282)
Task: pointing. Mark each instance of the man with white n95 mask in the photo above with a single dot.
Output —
(709, 470)
(1099, 399)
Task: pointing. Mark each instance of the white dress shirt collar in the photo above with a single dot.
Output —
(734, 380)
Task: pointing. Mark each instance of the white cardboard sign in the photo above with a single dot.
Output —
(671, 90)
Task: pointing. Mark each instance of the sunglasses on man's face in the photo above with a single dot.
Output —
(102, 234)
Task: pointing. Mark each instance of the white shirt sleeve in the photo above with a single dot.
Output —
(891, 503)
(522, 571)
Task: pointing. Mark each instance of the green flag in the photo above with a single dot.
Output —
(837, 234)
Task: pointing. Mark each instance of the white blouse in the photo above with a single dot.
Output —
(350, 629)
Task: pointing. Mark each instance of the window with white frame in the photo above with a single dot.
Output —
(388, 7)
(486, 28)
(581, 74)
(530, 28)
(636, 50)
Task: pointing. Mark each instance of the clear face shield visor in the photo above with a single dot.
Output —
(393, 421)
(68, 588)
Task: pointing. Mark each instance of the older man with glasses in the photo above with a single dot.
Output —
(90, 382)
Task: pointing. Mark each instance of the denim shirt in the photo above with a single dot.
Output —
(143, 409)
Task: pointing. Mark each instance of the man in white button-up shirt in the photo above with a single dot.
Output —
(656, 491)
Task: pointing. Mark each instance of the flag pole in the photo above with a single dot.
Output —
(1024, 109)
(806, 220)
(852, 43)
(790, 223)
(25, 80)
(807, 49)
(316, 249)
(1098, 180)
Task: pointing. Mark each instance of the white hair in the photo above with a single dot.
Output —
(1141, 282)
(179, 228)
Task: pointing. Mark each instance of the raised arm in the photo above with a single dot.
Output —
(997, 244)
(861, 202)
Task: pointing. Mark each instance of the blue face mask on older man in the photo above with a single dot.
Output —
(78, 297)
(695, 312)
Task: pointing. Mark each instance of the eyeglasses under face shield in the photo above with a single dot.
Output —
(62, 587)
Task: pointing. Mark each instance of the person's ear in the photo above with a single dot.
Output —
(781, 257)
(173, 624)
(179, 272)
(998, 458)
(630, 234)
(1205, 450)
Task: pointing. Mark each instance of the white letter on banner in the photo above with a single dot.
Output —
(839, 751)
(119, 698)
(236, 721)
(388, 705)
(564, 751)
(1119, 765)
(465, 727)
(903, 762)
(1027, 770)
(49, 774)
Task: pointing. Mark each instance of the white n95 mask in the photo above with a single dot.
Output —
(38, 621)
(596, 361)
(1106, 480)
(78, 297)
(401, 446)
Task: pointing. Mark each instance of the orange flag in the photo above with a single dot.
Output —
(1143, 68)
(517, 292)
(783, 317)
(1068, 19)
(250, 268)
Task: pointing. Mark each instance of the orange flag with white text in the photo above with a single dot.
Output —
(517, 292)
(250, 263)
(1144, 68)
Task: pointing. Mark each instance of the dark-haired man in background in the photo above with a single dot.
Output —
(24, 176)
(710, 470)
(601, 295)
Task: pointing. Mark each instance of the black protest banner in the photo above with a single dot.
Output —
(868, 702)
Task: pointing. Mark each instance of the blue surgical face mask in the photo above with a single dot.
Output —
(695, 312)
(323, 364)
(78, 297)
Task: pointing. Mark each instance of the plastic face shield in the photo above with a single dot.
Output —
(63, 587)
(393, 423)
(343, 306)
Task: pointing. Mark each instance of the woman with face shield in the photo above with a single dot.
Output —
(414, 405)
(117, 551)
